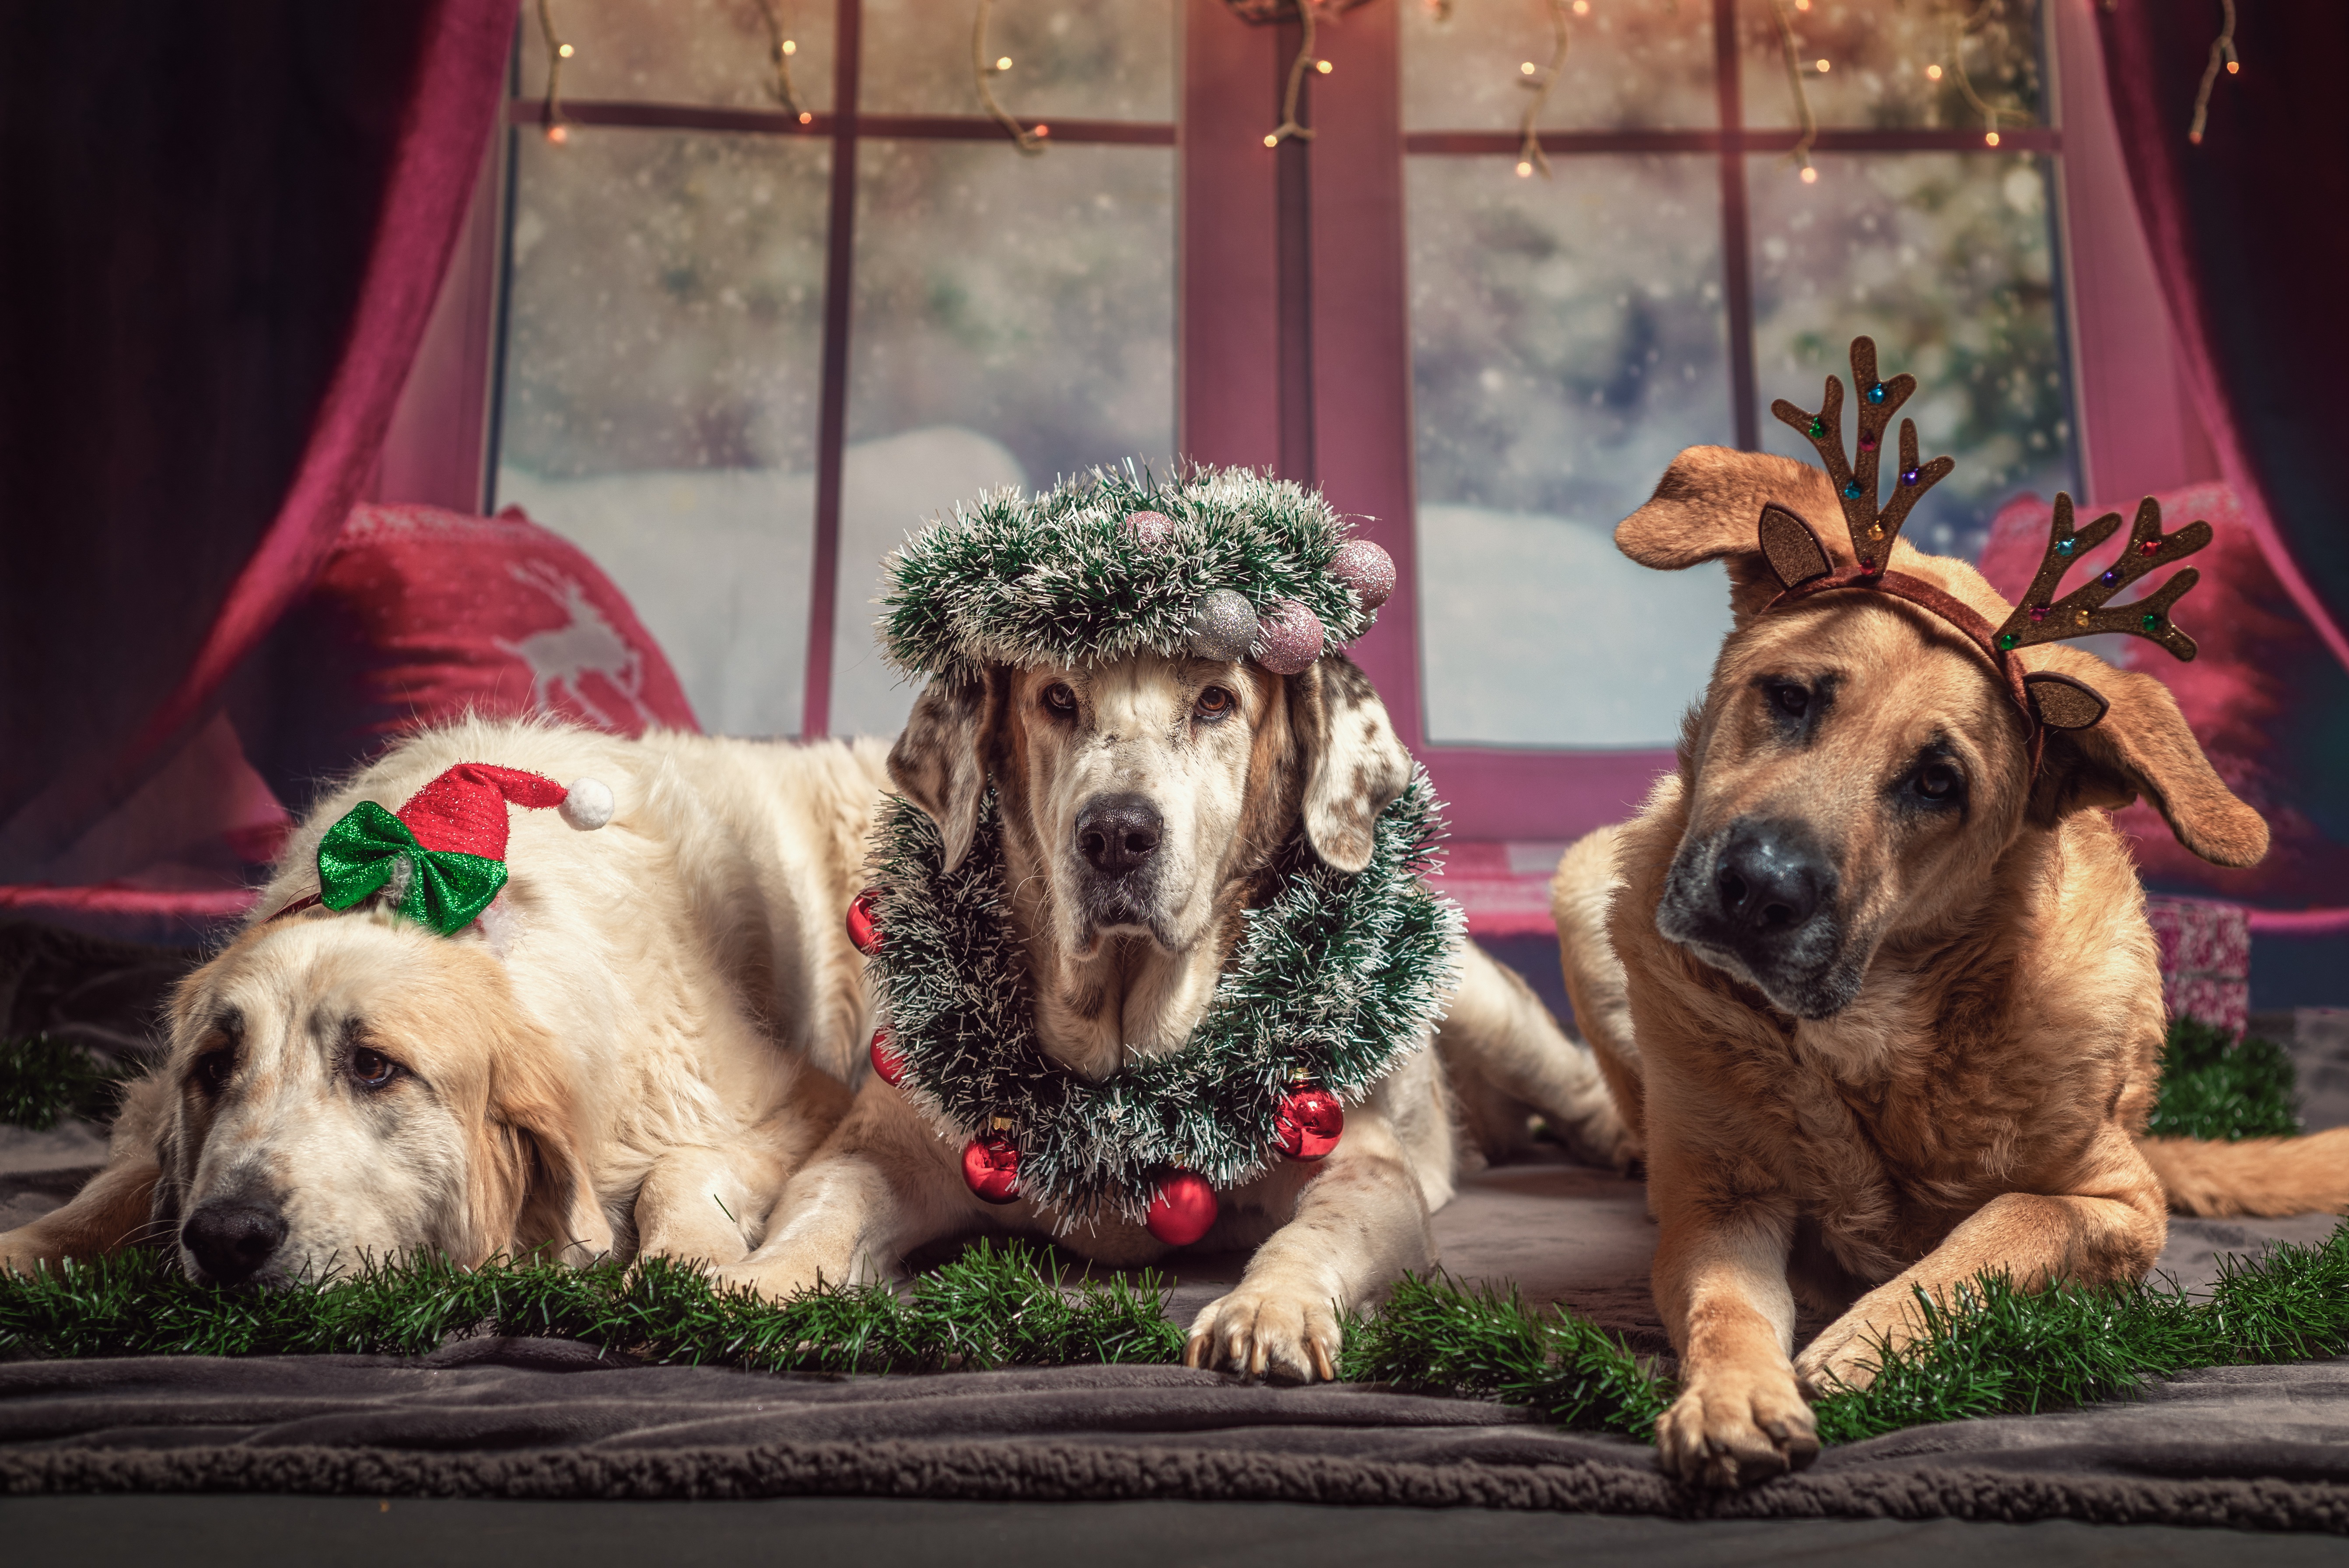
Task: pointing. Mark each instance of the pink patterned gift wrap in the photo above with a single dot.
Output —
(2206, 960)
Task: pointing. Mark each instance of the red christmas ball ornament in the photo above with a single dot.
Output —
(1310, 1121)
(1368, 569)
(992, 1164)
(1182, 1209)
(864, 923)
(887, 1065)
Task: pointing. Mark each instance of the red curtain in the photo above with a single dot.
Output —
(228, 223)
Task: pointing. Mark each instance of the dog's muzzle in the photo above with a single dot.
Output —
(1757, 900)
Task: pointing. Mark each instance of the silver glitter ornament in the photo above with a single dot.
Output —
(1289, 638)
(1223, 625)
(1368, 569)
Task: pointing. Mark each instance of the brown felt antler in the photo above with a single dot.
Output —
(2043, 618)
(1792, 551)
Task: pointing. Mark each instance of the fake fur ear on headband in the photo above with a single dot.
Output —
(2053, 701)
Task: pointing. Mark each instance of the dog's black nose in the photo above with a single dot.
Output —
(233, 1237)
(1116, 833)
(1769, 881)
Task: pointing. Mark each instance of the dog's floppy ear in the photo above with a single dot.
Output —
(1355, 764)
(2144, 747)
(1709, 506)
(939, 763)
(529, 1188)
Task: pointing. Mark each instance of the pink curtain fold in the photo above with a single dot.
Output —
(452, 92)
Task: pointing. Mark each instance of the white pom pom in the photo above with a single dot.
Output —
(588, 805)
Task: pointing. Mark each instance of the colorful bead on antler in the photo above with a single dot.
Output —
(1872, 530)
(2041, 617)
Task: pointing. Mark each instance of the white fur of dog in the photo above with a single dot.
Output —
(1218, 766)
(628, 1053)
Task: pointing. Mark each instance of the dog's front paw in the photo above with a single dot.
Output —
(1849, 1351)
(1734, 1427)
(779, 1272)
(1266, 1333)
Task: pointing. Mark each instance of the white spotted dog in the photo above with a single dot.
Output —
(1143, 804)
(627, 1052)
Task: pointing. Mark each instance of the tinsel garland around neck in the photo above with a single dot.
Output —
(1338, 978)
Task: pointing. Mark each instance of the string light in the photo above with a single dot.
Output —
(1823, 68)
(2223, 51)
(782, 47)
(1800, 154)
(1932, 73)
(1530, 155)
(558, 51)
(1305, 57)
(1992, 113)
(1582, 7)
(1324, 66)
(1028, 140)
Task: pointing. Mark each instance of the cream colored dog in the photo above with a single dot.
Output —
(622, 1056)
(1144, 803)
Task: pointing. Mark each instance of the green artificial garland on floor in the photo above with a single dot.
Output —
(1338, 978)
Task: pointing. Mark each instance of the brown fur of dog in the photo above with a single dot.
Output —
(1952, 1078)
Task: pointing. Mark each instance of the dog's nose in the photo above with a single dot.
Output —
(1769, 882)
(233, 1237)
(1117, 834)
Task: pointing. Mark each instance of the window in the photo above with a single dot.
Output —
(746, 347)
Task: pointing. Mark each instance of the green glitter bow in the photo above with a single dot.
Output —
(445, 889)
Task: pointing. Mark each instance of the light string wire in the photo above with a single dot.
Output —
(1530, 155)
(1800, 154)
(1029, 141)
(558, 51)
(781, 47)
(2222, 52)
(1288, 126)
(1960, 26)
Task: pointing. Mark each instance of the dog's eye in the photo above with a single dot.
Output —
(1214, 702)
(213, 1069)
(1060, 698)
(1792, 700)
(1937, 781)
(372, 1070)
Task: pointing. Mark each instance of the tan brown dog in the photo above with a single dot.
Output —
(1144, 803)
(1881, 1002)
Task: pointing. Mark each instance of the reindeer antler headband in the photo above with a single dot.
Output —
(2050, 701)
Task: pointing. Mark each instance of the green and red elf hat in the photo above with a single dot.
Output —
(441, 859)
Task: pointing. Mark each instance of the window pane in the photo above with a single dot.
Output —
(663, 353)
(1014, 322)
(1092, 60)
(1945, 260)
(1894, 64)
(1568, 339)
(1629, 65)
(683, 51)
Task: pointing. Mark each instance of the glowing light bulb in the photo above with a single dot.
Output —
(1823, 68)
(1932, 73)
(1324, 66)
(1582, 7)
(1528, 68)
(1802, 4)
(806, 118)
(565, 51)
(1990, 138)
(558, 134)
(1810, 175)
(1525, 169)
(791, 47)
(1272, 141)
(2234, 68)
(1003, 63)
(1042, 130)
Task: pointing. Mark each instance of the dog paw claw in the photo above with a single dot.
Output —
(1266, 1334)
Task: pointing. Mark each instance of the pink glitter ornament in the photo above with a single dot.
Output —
(1289, 638)
(1150, 530)
(1369, 571)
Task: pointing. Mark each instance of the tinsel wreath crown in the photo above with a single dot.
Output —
(1220, 563)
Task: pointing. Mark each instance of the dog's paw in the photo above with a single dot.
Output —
(778, 1273)
(1736, 1428)
(1266, 1333)
(1847, 1352)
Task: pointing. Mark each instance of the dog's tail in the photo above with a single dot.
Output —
(2259, 1176)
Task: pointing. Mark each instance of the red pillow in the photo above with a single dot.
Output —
(421, 614)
